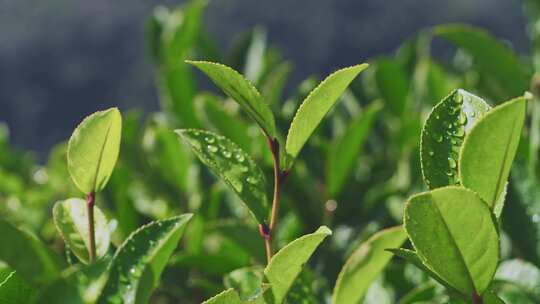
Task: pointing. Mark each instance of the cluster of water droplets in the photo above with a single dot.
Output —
(451, 132)
(138, 251)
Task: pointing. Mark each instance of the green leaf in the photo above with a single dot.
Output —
(13, 288)
(489, 149)
(492, 58)
(229, 296)
(491, 298)
(243, 235)
(27, 255)
(392, 83)
(344, 150)
(242, 91)
(411, 257)
(216, 116)
(233, 165)
(365, 264)
(455, 234)
(443, 133)
(246, 281)
(313, 109)
(93, 149)
(137, 264)
(287, 263)
(71, 220)
(273, 85)
(521, 273)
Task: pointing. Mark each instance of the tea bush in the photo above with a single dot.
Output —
(243, 196)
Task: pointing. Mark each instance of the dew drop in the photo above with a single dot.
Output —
(437, 116)
(463, 118)
(438, 137)
(473, 114)
(239, 157)
(209, 139)
(452, 163)
(227, 154)
(450, 173)
(212, 148)
(535, 218)
(459, 99)
(459, 132)
(431, 153)
(252, 180)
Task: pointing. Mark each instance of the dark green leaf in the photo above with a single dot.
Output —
(233, 165)
(443, 134)
(344, 150)
(137, 265)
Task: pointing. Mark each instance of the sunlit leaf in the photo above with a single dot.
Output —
(489, 149)
(93, 149)
(313, 109)
(287, 263)
(454, 234)
(242, 91)
(71, 220)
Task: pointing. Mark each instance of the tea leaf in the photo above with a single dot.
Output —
(242, 91)
(229, 296)
(27, 255)
(345, 150)
(13, 288)
(443, 134)
(137, 264)
(489, 149)
(455, 235)
(233, 166)
(71, 220)
(93, 149)
(365, 264)
(287, 263)
(313, 109)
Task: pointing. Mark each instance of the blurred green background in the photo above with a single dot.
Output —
(60, 60)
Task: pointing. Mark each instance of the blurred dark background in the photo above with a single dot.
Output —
(61, 60)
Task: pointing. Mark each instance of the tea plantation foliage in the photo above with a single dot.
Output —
(404, 179)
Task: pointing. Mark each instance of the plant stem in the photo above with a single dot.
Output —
(267, 232)
(477, 299)
(90, 199)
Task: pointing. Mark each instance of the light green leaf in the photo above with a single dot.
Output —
(344, 150)
(489, 149)
(365, 265)
(313, 109)
(93, 149)
(27, 255)
(242, 91)
(287, 263)
(71, 220)
(443, 133)
(229, 296)
(233, 165)
(455, 234)
(13, 288)
(496, 62)
(137, 264)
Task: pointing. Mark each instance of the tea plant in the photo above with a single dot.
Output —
(257, 197)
